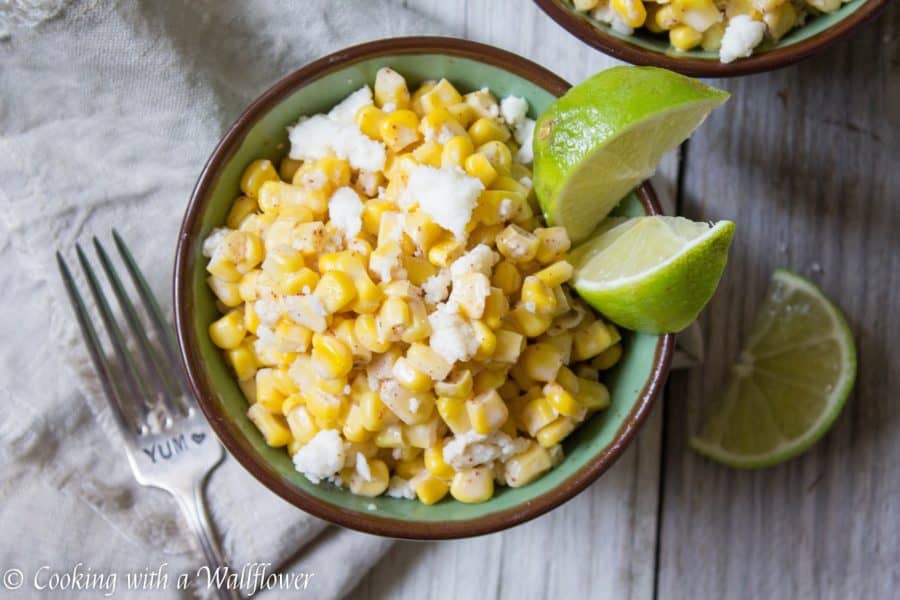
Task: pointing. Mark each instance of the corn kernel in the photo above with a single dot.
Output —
(331, 357)
(390, 89)
(429, 489)
(592, 339)
(302, 281)
(373, 483)
(353, 428)
(780, 20)
(390, 436)
(243, 361)
(542, 361)
(463, 112)
(454, 413)
(335, 291)
(228, 332)
(399, 130)
(664, 19)
(255, 175)
(700, 15)
(529, 323)
(273, 427)
(555, 432)
(430, 153)
(498, 154)
(443, 94)
(407, 469)
(486, 130)
(456, 150)
(434, 462)
(227, 292)
(240, 210)
(416, 99)
(712, 37)
(496, 307)
(527, 466)
(517, 244)
(392, 319)
(563, 402)
(684, 37)
(478, 166)
(608, 358)
(424, 435)
(374, 412)
(487, 412)
(484, 103)
(506, 277)
(303, 427)
(367, 333)
(593, 395)
(458, 385)
(369, 119)
(489, 379)
(473, 485)
(538, 297)
(443, 253)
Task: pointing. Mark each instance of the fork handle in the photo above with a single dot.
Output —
(194, 508)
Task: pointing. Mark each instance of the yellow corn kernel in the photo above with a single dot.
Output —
(489, 379)
(373, 483)
(684, 37)
(429, 489)
(419, 328)
(517, 244)
(302, 281)
(443, 94)
(227, 292)
(542, 361)
(592, 339)
(422, 358)
(287, 167)
(407, 454)
(247, 287)
(366, 331)
(429, 153)
(562, 342)
(458, 385)
(245, 250)
(368, 295)
(473, 485)
(292, 337)
(525, 467)
(498, 154)
(463, 112)
(555, 274)
(593, 395)
(587, 372)
(779, 20)
(509, 346)
(700, 15)
(416, 99)
(390, 436)
(291, 402)
(650, 22)
(335, 291)
(240, 210)
(553, 243)
(487, 412)
(443, 253)
(407, 469)
(280, 198)
(390, 89)
(664, 19)
(418, 269)
(301, 424)
(399, 130)
(568, 380)
(563, 402)
(424, 435)
(632, 12)
(228, 332)
(392, 319)
(555, 432)
(496, 307)
(538, 297)
(529, 323)
(353, 428)
(251, 319)
(456, 150)
(506, 277)
(496, 206)
(504, 182)
(608, 358)
(374, 412)
(434, 461)
(273, 427)
(484, 103)
(439, 125)
(422, 230)
(454, 413)
(484, 234)
(331, 357)
(369, 120)
(410, 377)
(248, 388)
(478, 166)
(243, 360)
(712, 37)
(537, 414)
(282, 260)
(335, 170)
(256, 174)
(485, 130)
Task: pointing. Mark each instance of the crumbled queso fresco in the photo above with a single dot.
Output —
(393, 309)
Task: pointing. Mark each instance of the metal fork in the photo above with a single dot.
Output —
(168, 443)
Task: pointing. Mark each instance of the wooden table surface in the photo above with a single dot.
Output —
(806, 161)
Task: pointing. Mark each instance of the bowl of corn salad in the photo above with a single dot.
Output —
(711, 38)
(374, 317)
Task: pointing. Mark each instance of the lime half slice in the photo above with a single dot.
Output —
(608, 134)
(790, 382)
(652, 274)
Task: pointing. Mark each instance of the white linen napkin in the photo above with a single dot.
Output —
(107, 112)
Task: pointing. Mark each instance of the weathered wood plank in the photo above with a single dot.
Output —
(602, 543)
(807, 162)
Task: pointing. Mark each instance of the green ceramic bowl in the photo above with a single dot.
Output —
(645, 48)
(261, 132)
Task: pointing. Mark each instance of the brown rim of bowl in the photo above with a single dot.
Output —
(698, 67)
(227, 432)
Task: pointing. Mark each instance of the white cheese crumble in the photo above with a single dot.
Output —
(742, 35)
(345, 211)
(214, 240)
(362, 467)
(268, 311)
(345, 111)
(480, 259)
(447, 195)
(400, 488)
(452, 337)
(437, 287)
(524, 135)
(318, 136)
(514, 110)
(321, 457)
(471, 449)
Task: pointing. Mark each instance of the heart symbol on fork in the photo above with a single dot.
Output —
(198, 438)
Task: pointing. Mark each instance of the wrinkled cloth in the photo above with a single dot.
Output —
(108, 111)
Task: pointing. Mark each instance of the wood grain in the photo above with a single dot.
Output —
(602, 543)
(807, 162)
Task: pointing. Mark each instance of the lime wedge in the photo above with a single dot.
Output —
(790, 382)
(652, 274)
(608, 134)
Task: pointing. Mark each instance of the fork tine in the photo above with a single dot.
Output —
(167, 389)
(157, 320)
(137, 389)
(95, 349)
